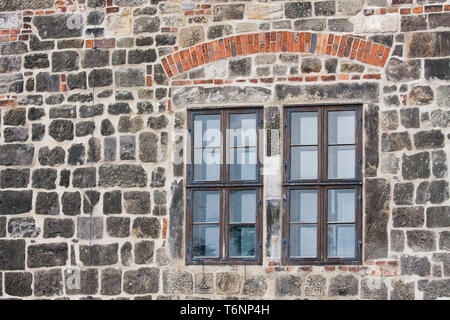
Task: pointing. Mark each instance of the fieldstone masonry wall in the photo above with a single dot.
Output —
(94, 95)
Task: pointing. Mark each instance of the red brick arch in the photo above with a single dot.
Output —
(337, 45)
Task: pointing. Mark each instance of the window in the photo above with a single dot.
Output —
(322, 185)
(224, 189)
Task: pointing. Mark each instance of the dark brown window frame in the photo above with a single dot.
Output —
(224, 185)
(322, 184)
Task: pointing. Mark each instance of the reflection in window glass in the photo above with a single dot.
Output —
(304, 128)
(341, 241)
(243, 206)
(243, 163)
(341, 205)
(206, 206)
(242, 241)
(303, 241)
(303, 163)
(206, 241)
(341, 127)
(207, 148)
(303, 206)
(341, 162)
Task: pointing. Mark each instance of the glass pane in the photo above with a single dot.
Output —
(341, 162)
(243, 130)
(206, 206)
(242, 241)
(341, 127)
(304, 128)
(207, 164)
(341, 205)
(243, 206)
(341, 241)
(303, 241)
(207, 130)
(303, 163)
(206, 241)
(243, 164)
(303, 206)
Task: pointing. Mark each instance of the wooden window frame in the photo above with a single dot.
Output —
(225, 185)
(322, 184)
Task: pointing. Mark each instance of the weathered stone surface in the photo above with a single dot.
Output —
(18, 284)
(438, 217)
(421, 240)
(130, 77)
(402, 290)
(11, 83)
(111, 280)
(13, 254)
(23, 228)
(144, 227)
(397, 240)
(53, 228)
(48, 283)
(412, 265)
(177, 282)
(99, 255)
(315, 285)
(15, 202)
(428, 139)
(47, 203)
(377, 192)
(204, 283)
(444, 258)
(118, 227)
(437, 69)
(403, 193)
(227, 283)
(35, 113)
(228, 12)
(408, 217)
(401, 71)
(191, 35)
(255, 286)
(140, 56)
(443, 96)
(47, 255)
(141, 281)
(413, 23)
(288, 285)
(65, 61)
(112, 202)
(342, 92)
(89, 228)
(410, 117)
(416, 166)
(434, 288)
(374, 289)
(71, 203)
(100, 78)
(125, 175)
(81, 281)
(343, 286)
(84, 177)
(294, 10)
(14, 178)
(13, 5)
(143, 252)
(77, 81)
(13, 48)
(350, 7)
(395, 141)
(44, 178)
(421, 95)
(137, 202)
(146, 24)
(59, 26)
(16, 154)
(434, 191)
(61, 130)
(148, 146)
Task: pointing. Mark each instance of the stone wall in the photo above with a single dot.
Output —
(94, 96)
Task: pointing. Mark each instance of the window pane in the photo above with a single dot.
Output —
(304, 128)
(242, 241)
(207, 164)
(341, 127)
(303, 163)
(243, 206)
(341, 205)
(206, 206)
(341, 162)
(303, 241)
(206, 241)
(243, 164)
(207, 130)
(303, 206)
(243, 130)
(341, 241)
